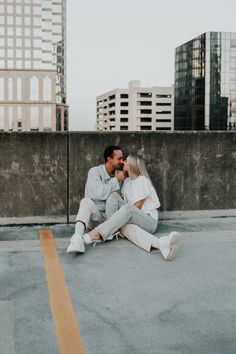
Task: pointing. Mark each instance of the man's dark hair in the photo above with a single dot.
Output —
(108, 152)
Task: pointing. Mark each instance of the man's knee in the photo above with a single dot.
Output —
(86, 204)
(86, 201)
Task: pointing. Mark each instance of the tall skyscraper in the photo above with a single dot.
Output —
(136, 108)
(205, 82)
(32, 65)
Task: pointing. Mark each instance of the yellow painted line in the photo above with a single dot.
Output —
(67, 329)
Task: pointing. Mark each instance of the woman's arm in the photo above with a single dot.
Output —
(139, 203)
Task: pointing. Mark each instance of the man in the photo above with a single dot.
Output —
(101, 182)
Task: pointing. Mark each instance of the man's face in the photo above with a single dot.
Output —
(117, 159)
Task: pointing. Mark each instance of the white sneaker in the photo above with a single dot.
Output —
(169, 245)
(74, 237)
(76, 244)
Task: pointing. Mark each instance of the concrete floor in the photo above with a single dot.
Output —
(126, 300)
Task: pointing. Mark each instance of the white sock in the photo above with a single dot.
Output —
(156, 243)
(79, 228)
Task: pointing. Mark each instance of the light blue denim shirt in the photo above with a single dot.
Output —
(100, 185)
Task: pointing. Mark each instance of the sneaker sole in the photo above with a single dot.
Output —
(74, 249)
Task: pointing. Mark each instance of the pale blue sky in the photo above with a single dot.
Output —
(110, 42)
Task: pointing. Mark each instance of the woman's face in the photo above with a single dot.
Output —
(126, 166)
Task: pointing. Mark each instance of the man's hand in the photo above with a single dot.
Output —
(121, 176)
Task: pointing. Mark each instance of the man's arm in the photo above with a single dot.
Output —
(96, 189)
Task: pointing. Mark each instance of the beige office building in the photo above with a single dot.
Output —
(32, 65)
(136, 108)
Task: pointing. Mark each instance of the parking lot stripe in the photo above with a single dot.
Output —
(67, 329)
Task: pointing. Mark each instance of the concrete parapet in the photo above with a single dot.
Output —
(42, 175)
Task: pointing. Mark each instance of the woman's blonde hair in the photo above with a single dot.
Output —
(137, 166)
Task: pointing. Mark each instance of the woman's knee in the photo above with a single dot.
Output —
(127, 209)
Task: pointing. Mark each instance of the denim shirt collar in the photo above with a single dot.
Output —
(105, 173)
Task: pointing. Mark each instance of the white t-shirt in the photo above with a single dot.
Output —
(141, 188)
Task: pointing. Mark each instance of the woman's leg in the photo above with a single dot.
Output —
(126, 214)
(168, 245)
(140, 237)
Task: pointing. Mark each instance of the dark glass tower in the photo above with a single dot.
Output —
(205, 83)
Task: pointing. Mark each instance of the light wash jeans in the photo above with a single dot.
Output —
(123, 213)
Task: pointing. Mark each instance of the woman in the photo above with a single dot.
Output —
(138, 216)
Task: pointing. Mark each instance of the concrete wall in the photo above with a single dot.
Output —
(42, 175)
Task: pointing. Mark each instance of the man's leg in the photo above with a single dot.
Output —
(87, 212)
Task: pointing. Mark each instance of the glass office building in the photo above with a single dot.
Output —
(205, 83)
(32, 65)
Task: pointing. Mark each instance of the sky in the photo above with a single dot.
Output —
(111, 42)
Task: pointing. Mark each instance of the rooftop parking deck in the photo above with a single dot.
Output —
(126, 301)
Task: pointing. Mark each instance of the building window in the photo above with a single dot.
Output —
(145, 111)
(10, 89)
(124, 95)
(112, 97)
(145, 103)
(19, 89)
(163, 120)
(145, 127)
(1, 118)
(19, 118)
(163, 128)
(163, 96)
(163, 104)
(1, 89)
(34, 118)
(124, 104)
(112, 105)
(34, 89)
(10, 42)
(123, 127)
(47, 89)
(123, 120)
(10, 118)
(124, 111)
(163, 112)
(144, 94)
(10, 53)
(145, 120)
(47, 118)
